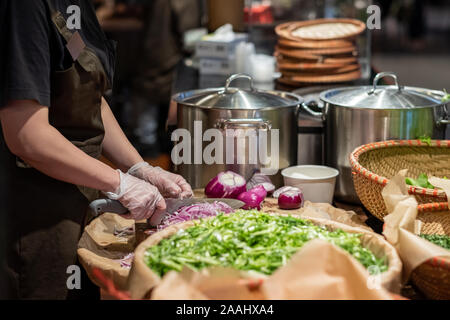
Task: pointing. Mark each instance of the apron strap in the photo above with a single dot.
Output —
(50, 5)
(60, 22)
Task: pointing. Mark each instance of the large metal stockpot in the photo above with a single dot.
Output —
(355, 116)
(230, 108)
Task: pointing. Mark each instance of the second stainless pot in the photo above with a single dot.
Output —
(355, 116)
(232, 108)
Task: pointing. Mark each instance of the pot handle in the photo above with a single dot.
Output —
(260, 123)
(305, 106)
(445, 120)
(381, 75)
(237, 76)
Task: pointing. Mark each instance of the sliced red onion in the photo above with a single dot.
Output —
(195, 211)
(226, 185)
(253, 198)
(123, 232)
(126, 261)
(291, 199)
(279, 191)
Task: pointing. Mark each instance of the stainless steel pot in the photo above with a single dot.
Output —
(311, 131)
(237, 108)
(355, 116)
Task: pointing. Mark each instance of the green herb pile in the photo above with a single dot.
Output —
(248, 240)
(442, 241)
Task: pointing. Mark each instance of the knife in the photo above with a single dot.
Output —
(101, 206)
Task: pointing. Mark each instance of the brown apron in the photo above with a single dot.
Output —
(45, 216)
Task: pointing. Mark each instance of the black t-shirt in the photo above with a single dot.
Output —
(31, 48)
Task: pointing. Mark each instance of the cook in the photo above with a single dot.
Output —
(55, 126)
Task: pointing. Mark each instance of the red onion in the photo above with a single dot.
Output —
(225, 185)
(268, 186)
(259, 190)
(253, 198)
(281, 190)
(291, 200)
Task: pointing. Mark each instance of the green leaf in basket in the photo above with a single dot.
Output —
(421, 181)
(446, 98)
(425, 139)
(411, 182)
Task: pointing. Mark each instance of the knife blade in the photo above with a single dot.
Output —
(101, 206)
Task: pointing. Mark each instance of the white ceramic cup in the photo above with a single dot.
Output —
(316, 182)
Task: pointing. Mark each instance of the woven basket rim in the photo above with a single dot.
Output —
(359, 169)
(439, 262)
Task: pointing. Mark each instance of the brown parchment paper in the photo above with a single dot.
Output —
(213, 283)
(443, 184)
(320, 211)
(100, 248)
(401, 228)
(142, 279)
(99, 235)
(318, 271)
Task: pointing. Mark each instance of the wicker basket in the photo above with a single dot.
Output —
(374, 164)
(433, 276)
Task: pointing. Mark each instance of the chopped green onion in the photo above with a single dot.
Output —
(251, 241)
(440, 240)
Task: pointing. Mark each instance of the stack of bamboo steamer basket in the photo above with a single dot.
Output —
(318, 51)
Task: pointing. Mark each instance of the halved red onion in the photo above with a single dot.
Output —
(291, 199)
(269, 187)
(253, 198)
(279, 191)
(226, 185)
(259, 190)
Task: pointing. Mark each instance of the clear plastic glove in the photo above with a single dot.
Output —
(138, 196)
(169, 184)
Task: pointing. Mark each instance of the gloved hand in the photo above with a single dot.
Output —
(169, 184)
(138, 196)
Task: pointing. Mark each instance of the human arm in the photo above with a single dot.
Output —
(116, 146)
(29, 135)
(121, 153)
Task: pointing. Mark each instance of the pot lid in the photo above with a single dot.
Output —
(383, 97)
(237, 98)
